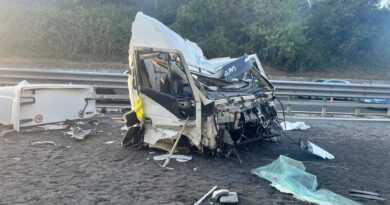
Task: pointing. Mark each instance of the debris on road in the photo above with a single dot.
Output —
(294, 126)
(124, 128)
(316, 150)
(55, 126)
(365, 195)
(219, 193)
(231, 198)
(43, 143)
(206, 195)
(178, 157)
(178, 136)
(110, 142)
(289, 176)
(26, 105)
(5, 132)
(79, 133)
(363, 192)
(43, 128)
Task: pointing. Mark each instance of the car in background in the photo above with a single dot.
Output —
(334, 81)
(383, 101)
(337, 81)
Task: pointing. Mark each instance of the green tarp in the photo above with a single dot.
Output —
(289, 176)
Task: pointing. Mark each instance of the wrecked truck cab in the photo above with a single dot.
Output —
(222, 103)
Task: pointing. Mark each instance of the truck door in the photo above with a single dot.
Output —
(163, 87)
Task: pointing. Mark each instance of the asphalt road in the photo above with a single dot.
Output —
(97, 170)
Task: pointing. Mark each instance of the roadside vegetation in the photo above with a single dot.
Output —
(293, 35)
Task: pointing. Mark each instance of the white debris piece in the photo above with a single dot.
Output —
(229, 199)
(41, 104)
(110, 142)
(43, 143)
(178, 157)
(124, 128)
(316, 150)
(294, 126)
(78, 133)
(219, 193)
(54, 127)
(181, 160)
(44, 128)
(5, 132)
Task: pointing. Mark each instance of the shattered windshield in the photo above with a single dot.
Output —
(237, 78)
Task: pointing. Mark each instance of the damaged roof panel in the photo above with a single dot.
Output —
(147, 32)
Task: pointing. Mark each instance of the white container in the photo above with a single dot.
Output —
(26, 105)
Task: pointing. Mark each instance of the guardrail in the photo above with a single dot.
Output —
(326, 91)
(311, 79)
(289, 89)
(11, 76)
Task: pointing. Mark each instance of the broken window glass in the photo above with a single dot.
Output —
(162, 78)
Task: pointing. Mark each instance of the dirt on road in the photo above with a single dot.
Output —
(93, 172)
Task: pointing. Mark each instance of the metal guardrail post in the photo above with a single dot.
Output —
(288, 105)
(388, 111)
(357, 109)
(323, 108)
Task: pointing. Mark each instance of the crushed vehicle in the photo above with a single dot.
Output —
(227, 101)
(223, 103)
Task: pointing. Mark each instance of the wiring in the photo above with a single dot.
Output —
(284, 114)
(285, 124)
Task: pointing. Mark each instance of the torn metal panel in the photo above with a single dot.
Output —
(316, 150)
(79, 133)
(363, 192)
(366, 196)
(152, 135)
(26, 105)
(150, 33)
(237, 68)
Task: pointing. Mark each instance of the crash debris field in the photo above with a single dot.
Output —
(96, 170)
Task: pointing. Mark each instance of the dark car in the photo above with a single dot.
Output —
(383, 101)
